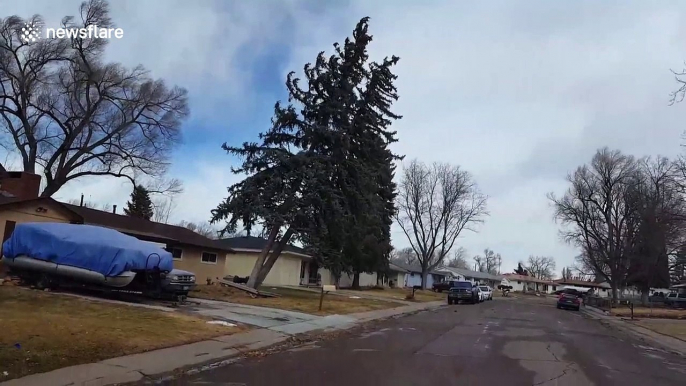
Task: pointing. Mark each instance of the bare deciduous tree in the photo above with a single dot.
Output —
(541, 267)
(201, 228)
(490, 262)
(404, 256)
(596, 214)
(68, 114)
(459, 259)
(163, 207)
(435, 204)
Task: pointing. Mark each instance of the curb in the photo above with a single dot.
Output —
(645, 334)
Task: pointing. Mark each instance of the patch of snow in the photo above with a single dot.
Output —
(221, 323)
(355, 297)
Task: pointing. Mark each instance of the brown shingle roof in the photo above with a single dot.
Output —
(138, 227)
(141, 227)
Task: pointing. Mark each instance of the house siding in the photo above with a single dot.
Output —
(191, 261)
(415, 279)
(286, 269)
(27, 213)
(366, 280)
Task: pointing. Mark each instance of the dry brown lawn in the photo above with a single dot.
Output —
(40, 331)
(293, 300)
(647, 312)
(673, 328)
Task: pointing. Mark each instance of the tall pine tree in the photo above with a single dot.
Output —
(139, 205)
(323, 173)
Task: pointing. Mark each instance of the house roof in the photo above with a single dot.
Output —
(473, 274)
(415, 268)
(252, 243)
(581, 283)
(149, 230)
(136, 226)
(394, 267)
(530, 279)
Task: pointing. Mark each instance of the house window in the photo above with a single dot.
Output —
(519, 282)
(176, 253)
(209, 258)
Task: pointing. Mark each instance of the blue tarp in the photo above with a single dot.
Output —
(90, 247)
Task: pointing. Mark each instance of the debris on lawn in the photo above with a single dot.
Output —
(355, 297)
(252, 291)
(221, 323)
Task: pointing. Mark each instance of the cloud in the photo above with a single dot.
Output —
(518, 93)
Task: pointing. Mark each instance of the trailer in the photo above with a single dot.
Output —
(51, 255)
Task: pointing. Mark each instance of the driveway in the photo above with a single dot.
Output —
(289, 322)
(504, 341)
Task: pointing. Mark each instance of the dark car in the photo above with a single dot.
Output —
(676, 300)
(463, 291)
(443, 286)
(568, 300)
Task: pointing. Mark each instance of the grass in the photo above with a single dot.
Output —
(293, 300)
(40, 331)
(673, 328)
(401, 294)
(647, 312)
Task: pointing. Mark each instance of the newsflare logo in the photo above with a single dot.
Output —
(31, 32)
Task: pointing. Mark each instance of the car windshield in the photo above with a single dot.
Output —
(462, 284)
(484, 289)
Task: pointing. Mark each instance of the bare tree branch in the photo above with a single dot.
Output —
(68, 114)
(435, 204)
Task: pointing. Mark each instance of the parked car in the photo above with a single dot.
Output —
(443, 286)
(488, 292)
(567, 300)
(463, 291)
(676, 300)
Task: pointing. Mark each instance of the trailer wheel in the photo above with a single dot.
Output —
(43, 282)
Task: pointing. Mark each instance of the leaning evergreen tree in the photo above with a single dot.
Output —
(322, 173)
(139, 205)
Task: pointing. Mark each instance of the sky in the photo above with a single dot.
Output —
(519, 93)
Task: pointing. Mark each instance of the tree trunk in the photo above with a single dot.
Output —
(356, 281)
(614, 294)
(259, 263)
(424, 277)
(644, 296)
(264, 271)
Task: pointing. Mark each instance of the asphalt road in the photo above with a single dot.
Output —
(500, 342)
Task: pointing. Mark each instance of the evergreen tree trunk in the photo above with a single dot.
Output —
(259, 263)
(264, 270)
(356, 281)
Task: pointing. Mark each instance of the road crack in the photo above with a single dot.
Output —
(564, 372)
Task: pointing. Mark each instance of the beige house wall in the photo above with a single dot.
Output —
(286, 269)
(27, 213)
(191, 261)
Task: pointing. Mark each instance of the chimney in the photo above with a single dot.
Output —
(114, 209)
(81, 200)
(22, 185)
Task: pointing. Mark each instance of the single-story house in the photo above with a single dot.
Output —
(483, 278)
(529, 283)
(600, 289)
(19, 202)
(413, 277)
(294, 266)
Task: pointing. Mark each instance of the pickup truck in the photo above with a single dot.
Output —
(676, 300)
(443, 286)
(463, 291)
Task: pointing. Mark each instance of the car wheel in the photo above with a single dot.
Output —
(558, 307)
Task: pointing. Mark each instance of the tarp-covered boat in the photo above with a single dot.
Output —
(83, 252)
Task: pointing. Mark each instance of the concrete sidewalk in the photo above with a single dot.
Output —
(132, 368)
(673, 345)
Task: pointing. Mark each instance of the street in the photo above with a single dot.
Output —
(504, 341)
